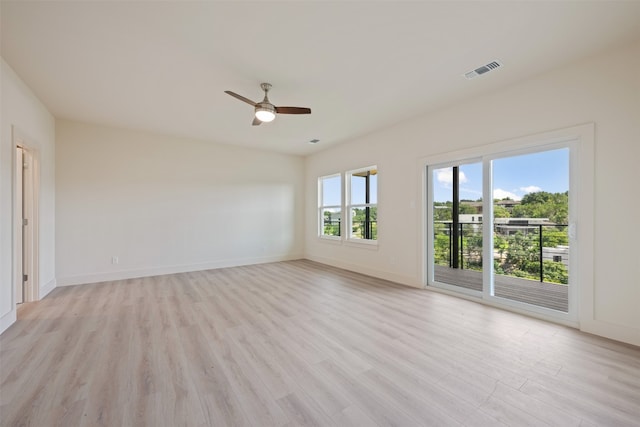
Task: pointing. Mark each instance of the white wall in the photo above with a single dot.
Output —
(22, 109)
(164, 204)
(604, 89)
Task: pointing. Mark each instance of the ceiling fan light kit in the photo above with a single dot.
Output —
(265, 111)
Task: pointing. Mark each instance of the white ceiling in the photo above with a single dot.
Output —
(360, 66)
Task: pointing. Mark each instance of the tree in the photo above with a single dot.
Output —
(500, 244)
(522, 258)
(358, 221)
(441, 244)
(464, 208)
(500, 212)
(542, 204)
(554, 236)
(555, 272)
(442, 211)
(331, 225)
(472, 244)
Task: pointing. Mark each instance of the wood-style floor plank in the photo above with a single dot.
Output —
(301, 344)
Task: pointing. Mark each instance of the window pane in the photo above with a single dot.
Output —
(331, 191)
(364, 223)
(363, 211)
(359, 182)
(358, 189)
(331, 221)
(457, 239)
(373, 188)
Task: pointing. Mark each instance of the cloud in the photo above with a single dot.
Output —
(471, 192)
(445, 176)
(500, 194)
(531, 189)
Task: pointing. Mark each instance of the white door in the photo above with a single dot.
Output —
(19, 213)
(24, 227)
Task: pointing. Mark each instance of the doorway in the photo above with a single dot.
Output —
(25, 253)
(500, 222)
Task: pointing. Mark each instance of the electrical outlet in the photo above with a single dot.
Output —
(114, 260)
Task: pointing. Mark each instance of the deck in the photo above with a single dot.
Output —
(542, 294)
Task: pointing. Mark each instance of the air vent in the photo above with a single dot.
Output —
(482, 70)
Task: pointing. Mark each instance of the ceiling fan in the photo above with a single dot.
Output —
(265, 111)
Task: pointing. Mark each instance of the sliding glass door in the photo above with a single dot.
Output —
(507, 212)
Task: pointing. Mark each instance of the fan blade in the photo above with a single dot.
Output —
(293, 110)
(256, 122)
(240, 97)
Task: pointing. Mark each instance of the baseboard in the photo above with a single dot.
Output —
(160, 271)
(609, 330)
(396, 278)
(47, 288)
(8, 319)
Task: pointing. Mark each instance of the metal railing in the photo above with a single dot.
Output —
(470, 234)
(359, 228)
(330, 227)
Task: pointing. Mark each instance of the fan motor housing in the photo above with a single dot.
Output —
(265, 106)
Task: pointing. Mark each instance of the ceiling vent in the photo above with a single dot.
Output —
(482, 70)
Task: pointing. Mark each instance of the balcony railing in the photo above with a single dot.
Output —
(359, 229)
(534, 251)
(331, 227)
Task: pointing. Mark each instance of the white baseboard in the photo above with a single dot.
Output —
(8, 319)
(385, 275)
(173, 269)
(612, 331)
(47, 288)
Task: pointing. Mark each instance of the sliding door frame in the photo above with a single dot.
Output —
(580, 141)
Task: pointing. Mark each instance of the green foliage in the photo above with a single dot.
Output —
(359, 219)
(331, 226)
(442, 211)
(517, 254)
(332, 229)
(472, 246)
(514, 255)
(541, 204)
(523, 257)
(500, 244)
(555, 272)
(555, 236)
(500, 212)
(441, 246)
(464, 208)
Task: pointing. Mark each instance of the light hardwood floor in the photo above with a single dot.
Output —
(298, 343)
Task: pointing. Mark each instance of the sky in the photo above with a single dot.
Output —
(513, 177)
(331, 190)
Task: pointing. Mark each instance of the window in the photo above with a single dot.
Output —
(362, 204)
(329, 205)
